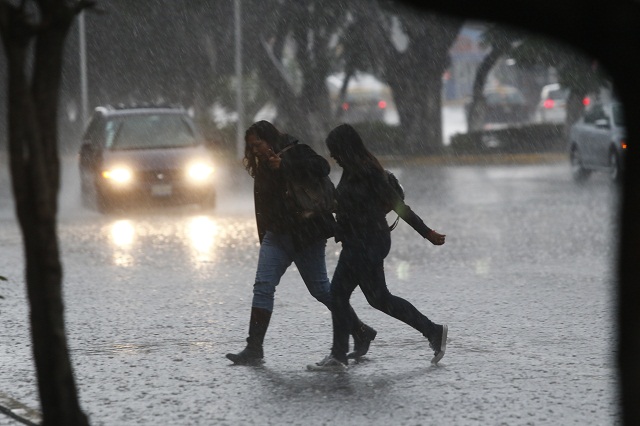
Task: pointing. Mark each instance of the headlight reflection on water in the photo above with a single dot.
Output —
(202, 232)
(194, 237)
(122, 236)
(197, 235)
(122, 233)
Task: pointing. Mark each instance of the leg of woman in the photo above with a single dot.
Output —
(273, 261)
(374, 287)
(345, 280)
(341, 288)
(313, 269)
(312, 266)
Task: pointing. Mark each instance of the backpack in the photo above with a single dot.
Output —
(310, 197)
(395, 184)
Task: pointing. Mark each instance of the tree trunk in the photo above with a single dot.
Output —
(415, 76)
(35, 174)
(475, 114)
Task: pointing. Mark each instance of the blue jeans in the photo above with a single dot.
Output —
(276, 254)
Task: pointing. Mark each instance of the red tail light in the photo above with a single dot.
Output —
(586, 101)
(548, 103)
(382, 104)
(345, 106)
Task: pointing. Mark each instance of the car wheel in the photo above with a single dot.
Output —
(614, 167)
(578, 172)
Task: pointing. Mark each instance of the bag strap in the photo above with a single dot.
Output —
(285, 149)
(394, 224)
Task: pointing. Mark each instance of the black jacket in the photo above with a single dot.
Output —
(273, 212)
(363, 202)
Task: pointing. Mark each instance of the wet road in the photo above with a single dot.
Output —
(154, 299)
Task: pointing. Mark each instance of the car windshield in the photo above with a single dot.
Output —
(558, 94)
(494, 98)
(149, 131)
(618, 115)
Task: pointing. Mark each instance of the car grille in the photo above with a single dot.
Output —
(161, 176)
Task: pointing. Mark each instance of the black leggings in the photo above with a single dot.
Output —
(361, 263)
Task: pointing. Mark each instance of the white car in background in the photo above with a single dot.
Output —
(552, 106)
(598, 142)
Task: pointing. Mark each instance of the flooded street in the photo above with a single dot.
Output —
(155, 299)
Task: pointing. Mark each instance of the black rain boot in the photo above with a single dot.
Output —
(253, 354)
(363, 335)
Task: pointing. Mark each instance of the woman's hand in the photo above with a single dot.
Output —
(435, 238)
(273, 160)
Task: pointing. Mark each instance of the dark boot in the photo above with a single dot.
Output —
(253, 354)
(363, 335)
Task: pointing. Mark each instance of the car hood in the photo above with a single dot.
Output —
(153, 159)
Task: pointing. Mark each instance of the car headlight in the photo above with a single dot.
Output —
(119, 175)
(199, 172)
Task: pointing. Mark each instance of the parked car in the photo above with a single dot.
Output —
(149, 154)
(504, 106)
(597, 141)
(552, 107)
(367, 98)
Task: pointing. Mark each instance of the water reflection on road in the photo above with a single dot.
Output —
(154, 299)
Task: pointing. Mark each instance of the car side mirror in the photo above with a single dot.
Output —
(602, 123)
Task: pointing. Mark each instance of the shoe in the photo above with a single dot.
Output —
(361, 341)
(247, 356)
(439, 343)
(328, 364)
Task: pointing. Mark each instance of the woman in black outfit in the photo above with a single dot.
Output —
(272, 158)
(364, 197)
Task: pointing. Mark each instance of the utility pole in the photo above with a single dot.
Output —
(84, 96)
(239, 97)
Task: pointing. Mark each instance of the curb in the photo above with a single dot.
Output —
(478, 160)
(18, 411)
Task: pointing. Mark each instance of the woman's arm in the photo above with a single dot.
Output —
(393, 199)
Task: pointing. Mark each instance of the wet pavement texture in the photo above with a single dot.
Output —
(155, 299)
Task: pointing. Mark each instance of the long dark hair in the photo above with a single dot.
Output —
(262, 130)
(347, 147)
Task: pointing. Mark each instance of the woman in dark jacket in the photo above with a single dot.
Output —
(364, 197)
(272, 159)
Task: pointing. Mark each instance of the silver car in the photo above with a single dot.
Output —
(597, 142)
(145, 155)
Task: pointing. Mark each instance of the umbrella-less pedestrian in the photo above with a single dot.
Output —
(285, 236)
(364, 197)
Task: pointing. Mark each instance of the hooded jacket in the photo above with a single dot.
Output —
(273, 212)
(363, 202)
